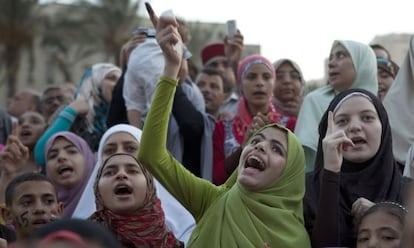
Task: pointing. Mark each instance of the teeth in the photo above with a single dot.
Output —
(357, 140)
(254, 162)
(61, 170)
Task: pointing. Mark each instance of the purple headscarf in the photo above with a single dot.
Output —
(70, 197)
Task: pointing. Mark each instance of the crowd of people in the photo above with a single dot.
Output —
(156, 153)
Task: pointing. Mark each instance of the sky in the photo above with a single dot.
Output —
(302, 30)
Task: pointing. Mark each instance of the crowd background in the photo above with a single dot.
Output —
(225, 134)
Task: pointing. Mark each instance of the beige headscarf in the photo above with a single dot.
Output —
(408, 161)
(317, 101)
(399, 103)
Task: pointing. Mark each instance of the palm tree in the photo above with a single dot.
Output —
(111, 23)
(18, 26)
(66, 39)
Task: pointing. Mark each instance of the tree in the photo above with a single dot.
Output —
(66, 39)
(18, 26)
(111, 22)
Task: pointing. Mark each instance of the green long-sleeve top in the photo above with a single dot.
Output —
(194, 193)
(227, 215)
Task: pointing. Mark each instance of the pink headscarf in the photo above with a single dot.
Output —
(248, 62)
(70, 197)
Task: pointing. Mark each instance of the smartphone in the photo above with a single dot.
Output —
(231, 28)
(149, 32)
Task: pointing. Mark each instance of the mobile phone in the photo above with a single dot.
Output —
(231, 28)
(149, 32)
(139, 30)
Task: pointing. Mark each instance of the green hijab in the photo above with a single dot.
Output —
(240, 218)
(317, 101)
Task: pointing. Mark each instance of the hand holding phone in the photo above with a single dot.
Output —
(231, 28)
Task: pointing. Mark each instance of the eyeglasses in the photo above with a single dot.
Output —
(294, 75)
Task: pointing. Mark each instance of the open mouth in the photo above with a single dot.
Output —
(64, 169)
(259, 93)
(333, 74)
(358, 140)
(25, 133)
(123, 190)
(40, 222)
(254, 162)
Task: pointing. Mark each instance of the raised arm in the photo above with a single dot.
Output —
(194, 193)
(326, 231)
(63, 122)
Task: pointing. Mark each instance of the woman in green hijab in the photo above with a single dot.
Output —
(262, 206)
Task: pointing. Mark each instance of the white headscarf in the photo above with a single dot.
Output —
(409, 159)
(90, 87)
(317, 101)
(399, 103)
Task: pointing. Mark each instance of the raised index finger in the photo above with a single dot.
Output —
(152, 15)
(15, 129)
(329, 130)
(14, 133)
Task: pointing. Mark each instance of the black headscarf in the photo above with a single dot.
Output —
(377, 179)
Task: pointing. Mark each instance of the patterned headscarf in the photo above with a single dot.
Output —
(388, 66)
(243, 118)
(90, 87)
(70, 197)
(146, 226)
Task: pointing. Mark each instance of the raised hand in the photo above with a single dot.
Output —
(333, 144)
(169, 40)
(14, 154)
(80, 105)
(259, 120)
(130, 45)
(360, 206)
(234, 47)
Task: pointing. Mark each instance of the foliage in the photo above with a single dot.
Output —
(67, 40)
(18, 27)
(110, 22)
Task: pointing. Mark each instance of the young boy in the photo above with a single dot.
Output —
(31, 202)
